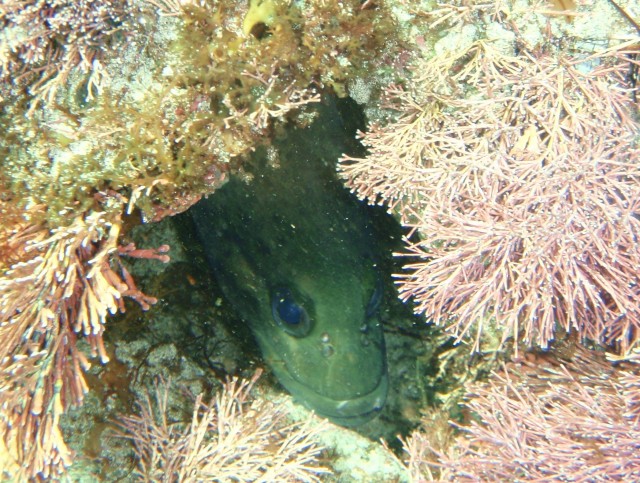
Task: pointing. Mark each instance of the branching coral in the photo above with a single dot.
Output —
(233, 437)
(59, 292)
(515, 165)
(520, 175)
(542, 420)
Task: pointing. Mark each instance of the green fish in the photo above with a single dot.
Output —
(294, 254)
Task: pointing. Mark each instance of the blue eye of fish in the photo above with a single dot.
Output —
(289, 314)
(375, 300)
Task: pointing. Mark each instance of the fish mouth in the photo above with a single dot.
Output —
(345, 412)
(356, 411)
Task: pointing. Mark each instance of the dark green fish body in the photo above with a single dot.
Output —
(293, 253)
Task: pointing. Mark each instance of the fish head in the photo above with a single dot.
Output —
(324, 341)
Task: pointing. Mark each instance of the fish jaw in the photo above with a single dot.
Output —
(345, 412)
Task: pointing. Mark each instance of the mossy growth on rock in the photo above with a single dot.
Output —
(169, 113)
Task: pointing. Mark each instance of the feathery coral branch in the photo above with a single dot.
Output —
(63, 286)
(521, 177)
(542, 420)
(234, 437)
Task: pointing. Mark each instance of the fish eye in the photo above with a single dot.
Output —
(375, 300)
(289, 314)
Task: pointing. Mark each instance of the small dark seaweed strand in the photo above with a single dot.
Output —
(633, 75)
(624, 13)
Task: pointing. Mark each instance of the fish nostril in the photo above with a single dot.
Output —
(327, 348)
